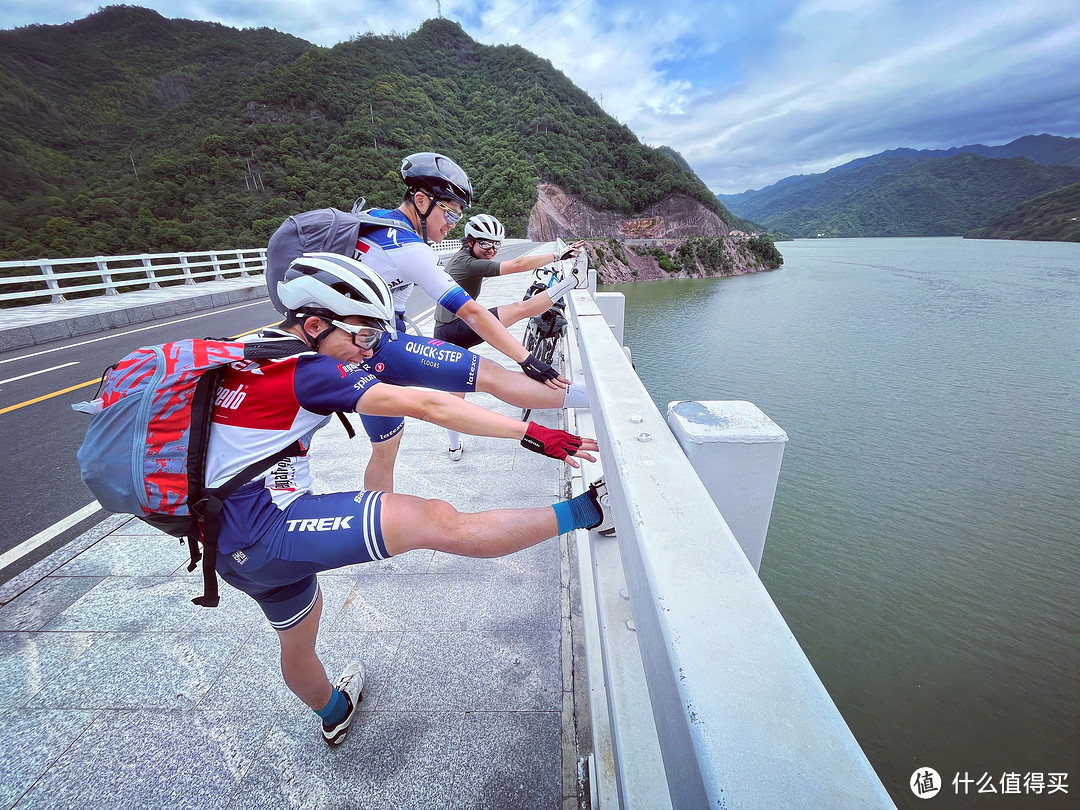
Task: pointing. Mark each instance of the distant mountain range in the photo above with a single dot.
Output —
(908, 192)
(1054, 216)
(126, 132)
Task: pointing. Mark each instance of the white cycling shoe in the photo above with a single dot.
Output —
(350, 684)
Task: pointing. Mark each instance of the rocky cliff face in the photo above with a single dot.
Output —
(619, 262)
(556, 214)
(660, 243)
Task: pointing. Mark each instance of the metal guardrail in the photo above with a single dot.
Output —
(699, 694)
(54, 279)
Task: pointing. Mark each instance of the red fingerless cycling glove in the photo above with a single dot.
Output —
(550, 442)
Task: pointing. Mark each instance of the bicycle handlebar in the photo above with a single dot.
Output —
(553, 274)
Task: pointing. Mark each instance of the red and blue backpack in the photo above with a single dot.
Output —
(145, 449)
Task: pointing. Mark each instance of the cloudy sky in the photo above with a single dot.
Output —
(748, 91)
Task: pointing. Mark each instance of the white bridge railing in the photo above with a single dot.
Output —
(699, 694)
(54, 279)
(51, 280)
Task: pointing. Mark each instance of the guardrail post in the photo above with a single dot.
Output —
(150, 273)
(186, 268)
(736, 450)
(215, 262)
(242, 262)
(613, 307)
(106, 276)
(51, 282)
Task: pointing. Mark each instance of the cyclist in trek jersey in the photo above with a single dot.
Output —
(474, 262)
(436, 192)
(275, 535)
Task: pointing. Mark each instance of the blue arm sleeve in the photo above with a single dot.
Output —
(454, 299)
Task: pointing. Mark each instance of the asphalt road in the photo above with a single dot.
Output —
(40, 434)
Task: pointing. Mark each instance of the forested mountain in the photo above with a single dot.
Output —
(126, 132)
(1053, 217)
(905, 192)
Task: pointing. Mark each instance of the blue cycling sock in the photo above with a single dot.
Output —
(334, 711)
(577, 513)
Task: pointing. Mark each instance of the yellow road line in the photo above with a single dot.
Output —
(10, 408)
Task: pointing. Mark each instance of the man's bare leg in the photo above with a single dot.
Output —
(301, 668)
(516, 387)
(379, 475)
(410, 523)
(509, 314)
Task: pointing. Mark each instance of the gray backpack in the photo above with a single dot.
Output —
(326, 230)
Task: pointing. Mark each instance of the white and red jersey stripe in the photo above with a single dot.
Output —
(261, 406)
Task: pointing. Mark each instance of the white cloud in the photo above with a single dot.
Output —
(839, 85)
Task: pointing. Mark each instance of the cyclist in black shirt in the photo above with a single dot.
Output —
(474, 262)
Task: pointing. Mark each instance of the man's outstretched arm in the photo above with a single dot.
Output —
(463, 416)
(530, 261)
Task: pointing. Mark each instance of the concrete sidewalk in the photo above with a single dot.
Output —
(115, 689)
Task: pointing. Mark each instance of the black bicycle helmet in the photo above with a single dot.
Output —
(485, 226)
(438, 176)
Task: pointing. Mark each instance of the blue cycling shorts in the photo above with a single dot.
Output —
(420, 361)
(291, 545)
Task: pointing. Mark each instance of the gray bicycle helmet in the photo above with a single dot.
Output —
(485, 226)
(328, 285)
(438, 176)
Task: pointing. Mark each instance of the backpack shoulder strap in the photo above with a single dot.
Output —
(381, 222)
(210, 506)
(367, 218)
(274, 347)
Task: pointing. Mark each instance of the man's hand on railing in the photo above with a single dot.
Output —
(542, 372)
(558, 444)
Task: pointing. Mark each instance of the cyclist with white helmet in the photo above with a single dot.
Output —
(474, 262)
(276, 535)
(436, 192)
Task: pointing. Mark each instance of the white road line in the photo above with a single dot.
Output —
(45, 535)
(35, 373)
(202, 314)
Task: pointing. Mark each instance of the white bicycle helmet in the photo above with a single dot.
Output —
(485, 226)
(333, 286)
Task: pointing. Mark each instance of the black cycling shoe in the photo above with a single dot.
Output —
(599, 492)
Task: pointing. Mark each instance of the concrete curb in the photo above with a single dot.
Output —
(44, 323)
